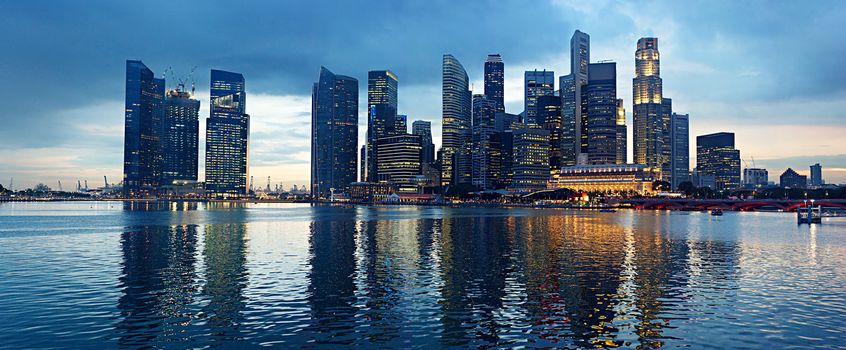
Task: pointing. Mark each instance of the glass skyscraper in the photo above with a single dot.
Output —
(227, 136)
(531, 158)
(423, 129)
(579, 70)
(180, 136)
(650, 126)
(570, 124)
(600, 97)
(680, 150)
(717, 157)
(622, 138)
(334, 133)
(144, 108)
(549, 116)
(495, 81)
(536, 84)
(382, 114)
(456, 132)
(485, 165)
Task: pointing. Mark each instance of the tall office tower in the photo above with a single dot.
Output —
(423, 129)
(665, 158)
(570, 126)
(755, 177)
(142, 156)
(180, 136)
(382, 114)
(680, 149)
(549, 116)
(531, 158)
(334, 133)
(227, 136)
(649, 132)
(536, 84)
(401, 125)
(717, 157)
(398, 159)
(495, 81)
(362, 163)
(485, 160)
(579, 69)
(816, 179)
(503, 144)
(600, 98)
(456, 132)
(622, 138)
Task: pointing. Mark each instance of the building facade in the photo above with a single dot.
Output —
(334, 134)
(180, 137)
(680, 149)
(600, 98)
(570, 120)
(227, 136)
(608, 178)
(791, 179)
(142, 157)
(531, 158)
(456, 128)
(622, 134)
(816, 179)
(495, 81)
(398, 159)
(649, 133)
(716, 156)
(536, 84)
(549, 116)
(382, 114)
(423, 129)
(755, 177)
(485, 155)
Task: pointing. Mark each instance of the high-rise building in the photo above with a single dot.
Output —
(142, 157)
(485, 165)
(649, 131)
(579, 70)
(402, 124)
(398, 159)
(362, 163)
(531, 158)
(791, 179)
(423, 129)
(622, 137)
(227, 136)
(549, 116)
(570, 124)
(536, 84)
(382, 114)
(680, 150)
(716, 156)
(755, 177)
(180, 136)
(495, 81)
(503, 143)
(334, 133)
(600, 98)
(456, 133)
(666, 134)
(816, 179)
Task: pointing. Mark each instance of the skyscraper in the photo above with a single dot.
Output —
(570, 126)
(334, 133)
(401, 125)
(622, 138)
(816, 179)
(649, 132)
(717, 157)
(142, 157)
(549, 116)
(579, 70)
(536, 84)
(399, 160)
(485, 159)
(456, 133)
(495, 81)
(227, 136)
(423, 129)
(665, 158)
(600, 98)
(382, 114)
(180, 136)
(531, 158)
(680, 149)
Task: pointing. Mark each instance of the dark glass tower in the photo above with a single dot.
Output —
(485, 164)
(495, 81)
(579, 70)
(537, 84)
(423, 129)
(142, 157)
(382, 114)
(717, 157)
(649, 129)
(334, 133)
(570, 124)
(180, 136)
(549, 116)
(600, 97)
(680, 157)
(456, 132)
(227, 136)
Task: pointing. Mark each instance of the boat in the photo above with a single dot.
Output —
(717, 212)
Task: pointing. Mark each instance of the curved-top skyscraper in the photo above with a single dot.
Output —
(456, 133)
(650, 126)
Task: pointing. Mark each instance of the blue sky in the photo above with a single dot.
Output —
(770, 71)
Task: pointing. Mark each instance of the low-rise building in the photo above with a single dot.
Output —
(613, 178)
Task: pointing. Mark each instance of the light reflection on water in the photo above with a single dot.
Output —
(104, 275)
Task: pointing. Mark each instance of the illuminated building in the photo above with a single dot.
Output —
(716, 156)
(180, 137)
(495, 81)
(649, 133)
(227, 136)
(679, 169)
(531, 158)
(791, 179)
(485, 155)
(423, 129)
(369, 192)
(141, 149)
(398, 159)
(570, 125)
(503, 141)
(755, 177)
(402, 124)
(536, 84)
(334, 133)
(382, 114)
(456, 128)
(622, 138)
(613, 178)
(600, 98)
(549, 117)
(579, 70)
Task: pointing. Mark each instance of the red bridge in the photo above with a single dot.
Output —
(724, 204)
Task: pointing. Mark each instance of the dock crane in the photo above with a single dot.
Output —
(60, 186)
(106, 180)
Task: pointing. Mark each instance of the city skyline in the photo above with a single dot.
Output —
(805, 116)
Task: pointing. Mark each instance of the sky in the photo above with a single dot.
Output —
(770, 71)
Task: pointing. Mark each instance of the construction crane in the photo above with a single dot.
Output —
(11, 183)
(86, 185)
(106, 180)
(60, 186)
(78, 186)
(268, 185)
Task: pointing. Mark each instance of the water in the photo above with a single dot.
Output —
(108, 275)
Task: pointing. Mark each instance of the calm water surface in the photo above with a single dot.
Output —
(111, 275)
